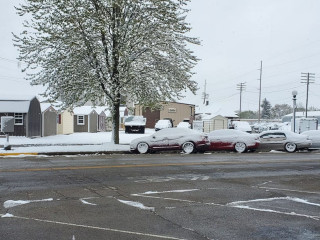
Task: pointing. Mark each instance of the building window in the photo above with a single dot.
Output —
(18, 119)
(80, 119)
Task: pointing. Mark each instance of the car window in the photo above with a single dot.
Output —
(265, 136)
(274, 136)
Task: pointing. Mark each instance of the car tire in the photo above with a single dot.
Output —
(188, 147)
(240, 147)
(290, 147)
(142, 147)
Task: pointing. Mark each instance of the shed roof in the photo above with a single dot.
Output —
(16, 97)
(20, 106)
(83, 110)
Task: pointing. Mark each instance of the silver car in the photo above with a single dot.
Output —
(283, 140)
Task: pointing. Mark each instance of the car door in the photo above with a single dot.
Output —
(175, 140)
(159, 141)
(215, 141)
(227, 141)
(272, 141)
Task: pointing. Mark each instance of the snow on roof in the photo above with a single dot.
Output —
(14, 106)
(302, 114)
(101, 109)
(83, 110)
(45, 106)
(4, 97)
(215, 111)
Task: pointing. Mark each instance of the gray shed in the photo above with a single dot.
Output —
(85, 119)
(49, 120)
(101, 118)
(26, 112)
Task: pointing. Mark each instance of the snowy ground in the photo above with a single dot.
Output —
(76, 142)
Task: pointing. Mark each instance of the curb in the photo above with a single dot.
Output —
(16, 154)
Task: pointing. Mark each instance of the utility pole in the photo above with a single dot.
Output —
(259, 114)
(241, 87)
(307, 78)
(205, 96)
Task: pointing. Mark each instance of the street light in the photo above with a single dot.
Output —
(294, 98)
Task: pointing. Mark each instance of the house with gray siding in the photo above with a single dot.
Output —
(26, 112)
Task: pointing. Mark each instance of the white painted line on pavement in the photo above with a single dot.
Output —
(289, 190)
(97, 228)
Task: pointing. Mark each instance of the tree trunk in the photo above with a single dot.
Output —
(115, 112)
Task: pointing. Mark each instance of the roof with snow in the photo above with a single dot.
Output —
(14, 106)
(46, 106)
(101, 109)
(4, 97)
(302, 114)
(83, 110)
(215, 111)
(15, 103)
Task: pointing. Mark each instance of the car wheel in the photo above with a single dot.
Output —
(240, 147)
(290, 147)
(142, 147)
(188, 147)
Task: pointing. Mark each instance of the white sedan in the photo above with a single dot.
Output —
(171, 139)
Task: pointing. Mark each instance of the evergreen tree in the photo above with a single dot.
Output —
(88, 50)
(266, 109)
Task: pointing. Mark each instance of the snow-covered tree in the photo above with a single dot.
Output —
(266, 109)
(280, 110)
(88, 50)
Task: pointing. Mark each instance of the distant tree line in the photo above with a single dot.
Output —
(275, 112)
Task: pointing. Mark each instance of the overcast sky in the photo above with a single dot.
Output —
(236, 35)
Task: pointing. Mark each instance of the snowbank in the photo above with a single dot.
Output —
(76, 142)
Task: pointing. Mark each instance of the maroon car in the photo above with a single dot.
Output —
(171, 139)
(234, 140)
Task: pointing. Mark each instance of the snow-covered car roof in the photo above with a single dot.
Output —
(177, 131)
(229, 132)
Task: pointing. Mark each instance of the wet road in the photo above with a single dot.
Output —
(161, 196)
